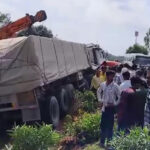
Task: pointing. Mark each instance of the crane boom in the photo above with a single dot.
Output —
(20, 24)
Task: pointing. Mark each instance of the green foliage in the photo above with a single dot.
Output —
(69, 126)
(136, 48)
(86, 127)
(37, 30)
(34, 138)
(4, 19)
(138, 139)
(147, 39)
(88, 99)
(94, 146)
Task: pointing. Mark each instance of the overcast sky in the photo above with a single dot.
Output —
(110, 23)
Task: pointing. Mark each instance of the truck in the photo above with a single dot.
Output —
(38, 76)
(138, 59)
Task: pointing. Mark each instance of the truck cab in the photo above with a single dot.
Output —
(96, 54)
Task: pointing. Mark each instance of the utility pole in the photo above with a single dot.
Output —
(136, 35)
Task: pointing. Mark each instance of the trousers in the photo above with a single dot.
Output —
(107, 124)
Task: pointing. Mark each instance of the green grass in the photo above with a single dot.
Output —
(94, 146)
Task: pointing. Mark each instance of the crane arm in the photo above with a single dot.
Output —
(25, 22)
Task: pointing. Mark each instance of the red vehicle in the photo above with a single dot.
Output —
(111, 63)
(10, 30)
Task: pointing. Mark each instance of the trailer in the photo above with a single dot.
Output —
(38, 76)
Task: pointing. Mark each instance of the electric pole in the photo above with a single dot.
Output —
(136, 35)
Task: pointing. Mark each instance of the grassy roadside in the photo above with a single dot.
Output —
(94, 146)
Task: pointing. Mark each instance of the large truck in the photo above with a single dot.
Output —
(38, 76)
(138, 59)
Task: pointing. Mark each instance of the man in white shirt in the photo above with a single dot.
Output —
(126, 83)
(108, 94)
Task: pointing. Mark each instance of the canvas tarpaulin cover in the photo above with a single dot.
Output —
(29, 62)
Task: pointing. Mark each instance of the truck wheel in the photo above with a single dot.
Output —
(53, 111)
(86, 86)
(2, 126)
(64, 100)
(70, 91)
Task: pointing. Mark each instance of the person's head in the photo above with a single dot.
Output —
(124, 70)
(121, 66)
(103, 68)
(140, 73)
(134, 67)
(135, 82)
(148, 77)
(104, 63)
(118, 69)
(97, 73)
(126, 65)
(126, 75)
(110, 75)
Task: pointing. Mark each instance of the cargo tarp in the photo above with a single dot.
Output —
(29, 62)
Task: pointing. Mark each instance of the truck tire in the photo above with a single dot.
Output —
(70, 91)
(86, 86)
(2, 126)
(64, 101)
(53, 111)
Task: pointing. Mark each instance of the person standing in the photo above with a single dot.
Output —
(95, 83)
(140, 74)
(103, 74)
(108, 94)
(131, 106)
(118, 77)
(147, 105)
(126, 83)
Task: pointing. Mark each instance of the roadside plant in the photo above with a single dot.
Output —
(137, 139)
(69, 126)
(33, 137)
(88, 100)
(85, 127)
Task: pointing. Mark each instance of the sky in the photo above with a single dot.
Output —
(109, 23)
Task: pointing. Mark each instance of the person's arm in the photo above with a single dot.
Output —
(99, 93)
(92, 84)
(147, 111)
(99, 96)
(121, 87)
(147, 115)
(118, 93)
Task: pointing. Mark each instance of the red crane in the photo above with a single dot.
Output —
(10, 30)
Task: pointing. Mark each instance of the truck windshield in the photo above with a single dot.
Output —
(141, 60)
(100, 57)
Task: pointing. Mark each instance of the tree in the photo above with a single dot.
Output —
(4, 19)
(136, 48)
(37, 30)
(147, 39)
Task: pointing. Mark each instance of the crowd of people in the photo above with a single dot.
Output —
(123, 93)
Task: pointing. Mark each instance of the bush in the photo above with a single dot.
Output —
(94, 146)
(88, 99)
(138, 139)
(69, 126)
(34, 138)
(86, 127)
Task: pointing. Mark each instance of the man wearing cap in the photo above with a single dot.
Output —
(108, 94)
